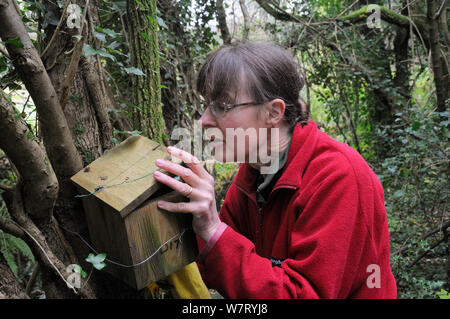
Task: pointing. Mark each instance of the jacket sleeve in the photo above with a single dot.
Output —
(326, 243)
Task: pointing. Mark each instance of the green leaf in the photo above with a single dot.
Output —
(107, 31)
(443, 294)
(97, 261)
(88, 50)
(416, 125)
(79, 270)
(105, 54)
(161, 23)
(16, 42)
(100, 36)
(134, 71)
(113, 45)
(135, 133)
(398, 194)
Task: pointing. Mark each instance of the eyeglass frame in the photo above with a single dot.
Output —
(228, 107)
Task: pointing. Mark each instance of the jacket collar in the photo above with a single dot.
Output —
(302, 147)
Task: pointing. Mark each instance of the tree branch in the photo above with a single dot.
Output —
(385, 14)
(222, 18)
(8, 226)
(73, 67)
(36, 240)
(272, 9)
(30, 159)
(55, 130)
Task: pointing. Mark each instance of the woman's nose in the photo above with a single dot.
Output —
(207, 119)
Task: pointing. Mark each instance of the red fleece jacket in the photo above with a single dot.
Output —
(323, 232)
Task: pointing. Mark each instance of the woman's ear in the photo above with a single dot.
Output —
(275, 112)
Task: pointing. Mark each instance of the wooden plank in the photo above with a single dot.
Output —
(125, 172)
(148, 228)
(108, 235)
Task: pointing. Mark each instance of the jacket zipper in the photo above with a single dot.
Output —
(260, 209)
(261, 228)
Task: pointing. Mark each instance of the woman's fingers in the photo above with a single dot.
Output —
(176, 169)
(181, 207)
(190, 160)
(182, 188)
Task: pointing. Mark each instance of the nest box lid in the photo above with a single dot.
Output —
(123, 177)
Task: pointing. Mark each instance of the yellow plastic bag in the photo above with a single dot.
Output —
(186, 283)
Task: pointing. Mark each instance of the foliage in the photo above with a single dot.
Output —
(360, 88)
(364, 92)
(97, 261)
(16, 252)
(415, 180)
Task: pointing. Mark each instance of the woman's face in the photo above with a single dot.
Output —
(235, 136)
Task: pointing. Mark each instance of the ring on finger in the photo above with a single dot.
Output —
(189, 192)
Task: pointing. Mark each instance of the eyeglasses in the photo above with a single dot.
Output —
(219, 109)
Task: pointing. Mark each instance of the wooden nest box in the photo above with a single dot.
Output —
(119, 194)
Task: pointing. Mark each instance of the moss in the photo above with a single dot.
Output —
(79, 128)
(30, 135)
(386, 15)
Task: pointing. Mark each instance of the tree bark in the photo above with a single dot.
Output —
(55, 131)
(246, 29)
(85, 112)
(144, 51)
(34, 195)
(440, 81)
(9, 286)
(222, 19)
(30, 158)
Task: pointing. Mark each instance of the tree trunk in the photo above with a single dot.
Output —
(9, 286)
(144, 51)
(246, 17)
(222, 18)
(440, 81)
(71, 98)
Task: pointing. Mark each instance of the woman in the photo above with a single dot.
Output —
(316, 226)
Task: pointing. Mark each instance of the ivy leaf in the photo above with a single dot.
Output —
(113, 45)
(88, 50)
(97, 261)
(107, 31)
(79, 270)
(100, 36)
(161, 23)
(105, 54)
(134, 71)
(15, 42)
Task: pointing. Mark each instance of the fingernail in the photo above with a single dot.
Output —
(156, 173)
(158, 161)
(170, 148)
(161, 204)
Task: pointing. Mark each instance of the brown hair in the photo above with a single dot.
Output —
(265, 71)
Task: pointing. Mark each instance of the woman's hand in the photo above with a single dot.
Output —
(198, 186)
